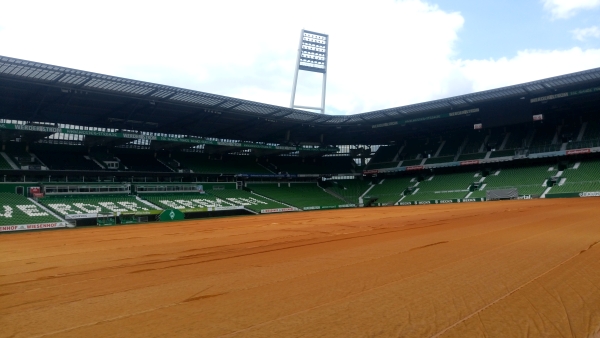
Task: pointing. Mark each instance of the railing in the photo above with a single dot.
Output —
(584, 144)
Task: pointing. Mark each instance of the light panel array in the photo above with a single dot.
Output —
(313, 52)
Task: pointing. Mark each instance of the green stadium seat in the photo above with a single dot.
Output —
(17, 209)
(300, 195)
(586, 178)
(94, 204)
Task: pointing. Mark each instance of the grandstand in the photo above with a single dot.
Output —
(445, 186)
(17, 210)
(385, 157)
(211, 164)
(323, 165)
(474, 147)
(128, 146)
(580, 177)
(187, 201)
(528, 180)
(416, 150)
(389, 190)
(544, 139)
(95, 204)
(248, 200)
(60, 157)
(307, 196)
(590, 137)
(349, 190)
(136, 160)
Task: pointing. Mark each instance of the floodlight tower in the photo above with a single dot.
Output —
(312, 57)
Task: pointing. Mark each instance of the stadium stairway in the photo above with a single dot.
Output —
(47, 210)
(155, 207)
(267, 169)
(308, 196)
(251, 202)
(9, 161)
(337, 196)
(360, 199)
(272, 200)
(17, 209)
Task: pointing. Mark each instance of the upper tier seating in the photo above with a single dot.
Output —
(4, 165)
(102, 156)
(502, 153)
(467, 157)
(17, 209)
(592, 130)
(516, 140)
(474, 142)
(517, 136)
(138, 160)
(542, 139)
(322, 165)
(591, 136)
(494, 141)
(440, 159)
(17, 153)
(65, 157)
(452, 144)
(416, 149)
(384, 157)
(220, 164)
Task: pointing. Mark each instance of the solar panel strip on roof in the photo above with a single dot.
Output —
(300, 116)
(72, 79)
(208, 101)
(246, 108)
(162, 93)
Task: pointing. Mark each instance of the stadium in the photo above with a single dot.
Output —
(193, 214)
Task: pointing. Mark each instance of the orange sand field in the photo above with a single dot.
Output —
(495, 269)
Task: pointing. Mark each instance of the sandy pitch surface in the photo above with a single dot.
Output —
(501, 269)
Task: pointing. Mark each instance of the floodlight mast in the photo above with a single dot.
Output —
(312, 57)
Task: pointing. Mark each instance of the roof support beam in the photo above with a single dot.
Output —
(39, 106)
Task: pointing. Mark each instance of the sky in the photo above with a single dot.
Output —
(382, 53)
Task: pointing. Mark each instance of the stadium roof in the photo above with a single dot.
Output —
(35, 91)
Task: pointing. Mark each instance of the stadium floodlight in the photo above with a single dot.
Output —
(312, 57)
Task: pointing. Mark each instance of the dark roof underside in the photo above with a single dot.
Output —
(32, 91)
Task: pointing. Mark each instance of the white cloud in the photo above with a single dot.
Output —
(529, 65)
(583, 34)
(563, 9)
(383, 53)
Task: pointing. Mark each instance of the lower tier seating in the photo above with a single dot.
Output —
(301, 195)
(93, 204)
(350, 190)
(390, 190)
(248, 200)
(187, 201)
(433, 195)
(17, 209)
(584, 178)
(528, 180)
